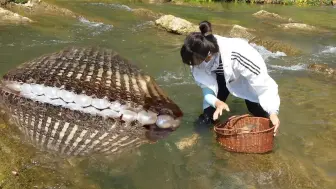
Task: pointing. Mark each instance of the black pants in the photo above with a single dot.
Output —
(254, 108)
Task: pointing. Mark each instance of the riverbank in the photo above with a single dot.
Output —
(280, 2)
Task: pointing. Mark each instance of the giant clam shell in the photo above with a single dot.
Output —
(80, 101)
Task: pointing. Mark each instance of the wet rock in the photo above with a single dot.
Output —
(156, 1)
(323, 69)
(176, 25)
(241, 32)
(147, 13)
(34, 7)
(275, 45)
(265, 14)
(298, 26)
(11, 17)
(187, 142)
(4, 2)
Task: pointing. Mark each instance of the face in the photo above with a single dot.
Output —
(198, 59)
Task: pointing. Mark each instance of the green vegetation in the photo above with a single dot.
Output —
(19, 1)
(284, 2)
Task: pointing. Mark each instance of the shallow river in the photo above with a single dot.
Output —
(304, 155)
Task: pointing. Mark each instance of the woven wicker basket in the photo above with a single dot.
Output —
(246, 134)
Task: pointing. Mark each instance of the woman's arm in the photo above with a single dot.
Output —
(251, 65)
(210, 98)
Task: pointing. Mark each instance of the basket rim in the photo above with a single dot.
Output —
(217, 129)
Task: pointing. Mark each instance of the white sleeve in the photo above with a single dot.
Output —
(251, 65)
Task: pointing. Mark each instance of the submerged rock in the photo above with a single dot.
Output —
(323, 69)
(275, 45)
(156, 1)
(147, 13)
(298, 26)
(4, 2)
(176, 25)
(265, 14)
(11, 17)
(241, 32)
(187, 142)
(34, 7)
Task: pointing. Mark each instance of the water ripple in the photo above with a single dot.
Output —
(111, 5)
(97, 27)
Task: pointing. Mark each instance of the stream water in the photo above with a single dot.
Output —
(304, 155)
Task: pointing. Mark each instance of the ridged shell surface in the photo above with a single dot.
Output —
(81, 101)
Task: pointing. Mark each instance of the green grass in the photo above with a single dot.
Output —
(284, 2)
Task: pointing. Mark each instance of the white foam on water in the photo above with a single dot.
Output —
(98, 27)
(142, 26)
(328, 50)
(176, 78)
(118, 6)
(266, 54)
(290, 68)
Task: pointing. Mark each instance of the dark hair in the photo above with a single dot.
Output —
(199, 44)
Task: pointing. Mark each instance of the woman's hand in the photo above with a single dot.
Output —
(276, 122)
(220, 106)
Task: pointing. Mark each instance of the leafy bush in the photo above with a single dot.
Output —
(285, 2)
(20, 1)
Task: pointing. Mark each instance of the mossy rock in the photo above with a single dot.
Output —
(274, 46)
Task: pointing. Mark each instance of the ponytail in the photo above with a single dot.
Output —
(199, 44)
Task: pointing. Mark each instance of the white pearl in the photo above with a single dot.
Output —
(83, 100)
(90, 110)
(57, 102)
(37, 89)
(176, 123)
(100, 103)
(66, 95)
(51, 92)
(43, 99)
(73, 106)
(116, 106)
(26, 89)
(31, 96)
(128, 115)
(164, 121)
(147, 117)
(109, 113)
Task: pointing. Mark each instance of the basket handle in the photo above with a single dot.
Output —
(230, 118)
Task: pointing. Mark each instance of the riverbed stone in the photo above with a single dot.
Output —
(275, 45)
(323, 69)
(187, 142)
(241, 32)
(8, 16)
(147, 13)
(298, 26)
(4, 2)
(266, 14)
(156, 1)
(176, 25)
(36, 7)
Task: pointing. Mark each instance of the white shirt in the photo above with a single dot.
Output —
(245, 74)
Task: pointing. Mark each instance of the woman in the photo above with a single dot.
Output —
(221, 66)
